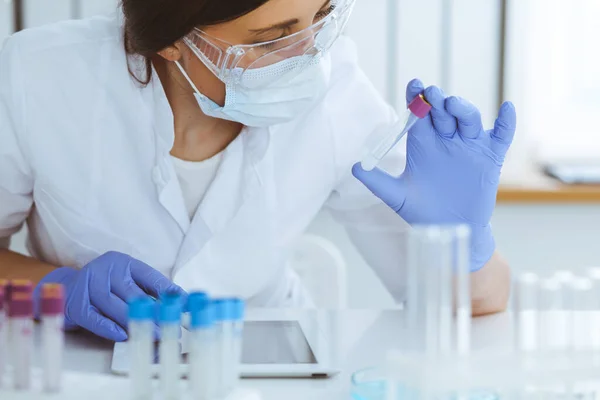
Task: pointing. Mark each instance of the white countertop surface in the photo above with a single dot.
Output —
(363, 338)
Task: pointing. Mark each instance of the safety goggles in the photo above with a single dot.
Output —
(239, 64)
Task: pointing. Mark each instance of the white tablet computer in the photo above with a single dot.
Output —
(278, 347)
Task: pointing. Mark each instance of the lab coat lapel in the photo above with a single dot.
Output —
(163, 173)
(170, 195)
(238, 179)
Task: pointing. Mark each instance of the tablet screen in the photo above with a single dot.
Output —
(272, 342)
(276, 342)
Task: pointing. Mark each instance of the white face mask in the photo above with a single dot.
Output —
(258, 103)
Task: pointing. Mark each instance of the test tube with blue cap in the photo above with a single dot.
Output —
(417, 109)
(224, 348)
(203, 356)
(169, 316)
(237, 317)
(142, 313)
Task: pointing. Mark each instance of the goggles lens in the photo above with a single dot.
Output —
(230, 63)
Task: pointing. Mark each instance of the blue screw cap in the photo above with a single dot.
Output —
(142, 309)
(202, 314)
(196, 299)
(238, 312)
(223, 309)
(170, 309)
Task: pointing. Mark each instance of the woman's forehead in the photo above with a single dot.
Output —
(270, 13)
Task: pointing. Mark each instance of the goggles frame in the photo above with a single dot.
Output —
(225, 60)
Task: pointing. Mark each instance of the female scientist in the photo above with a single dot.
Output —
(193, 141)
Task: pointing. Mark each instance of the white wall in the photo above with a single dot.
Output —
(399, 40)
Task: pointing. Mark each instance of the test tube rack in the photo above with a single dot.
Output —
(77, 386)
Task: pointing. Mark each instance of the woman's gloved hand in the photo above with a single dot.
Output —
(96, 296)
(452, 168)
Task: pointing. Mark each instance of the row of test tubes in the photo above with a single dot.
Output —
(215, 346)
(16, 335)
(557, 330)
(558, 312)
(557, 321)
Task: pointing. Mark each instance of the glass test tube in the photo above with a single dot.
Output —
(417, 109)
(438, 276)
(594, 274)
(424, 284)
(526, 311)
(413, 305)
(583, 302)
(552, 308)
(170, 309)
(565, 278)
(21, 337)
(142, 312)
(52, 311)
(3, 330)
(238, 335)
(439, 260)
(463, 289)
(203, 356)
(526, 318)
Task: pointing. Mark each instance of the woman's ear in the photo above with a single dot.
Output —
(171, 53)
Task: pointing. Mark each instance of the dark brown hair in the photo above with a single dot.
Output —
(152, 25)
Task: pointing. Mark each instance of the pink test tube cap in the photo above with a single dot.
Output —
(21, 305)
(419, 106)
(53, 299)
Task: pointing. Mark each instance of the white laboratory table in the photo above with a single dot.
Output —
(362, 339)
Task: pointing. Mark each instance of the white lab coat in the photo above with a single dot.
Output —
(84, 160)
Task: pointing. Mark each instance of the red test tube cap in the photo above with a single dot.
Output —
(53, 299)
(3, 284)
(21, 305)
(21, 286)
(419, 106)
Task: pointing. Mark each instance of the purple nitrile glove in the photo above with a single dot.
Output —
(96, 296)
(452, 169)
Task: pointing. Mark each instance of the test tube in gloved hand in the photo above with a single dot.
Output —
(417, 109)
(52, 309)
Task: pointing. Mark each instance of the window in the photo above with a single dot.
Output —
(553, 74)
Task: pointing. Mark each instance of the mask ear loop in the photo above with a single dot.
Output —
(187, 77)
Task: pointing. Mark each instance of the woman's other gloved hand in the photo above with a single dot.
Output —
(96, 296)
(452, 170)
